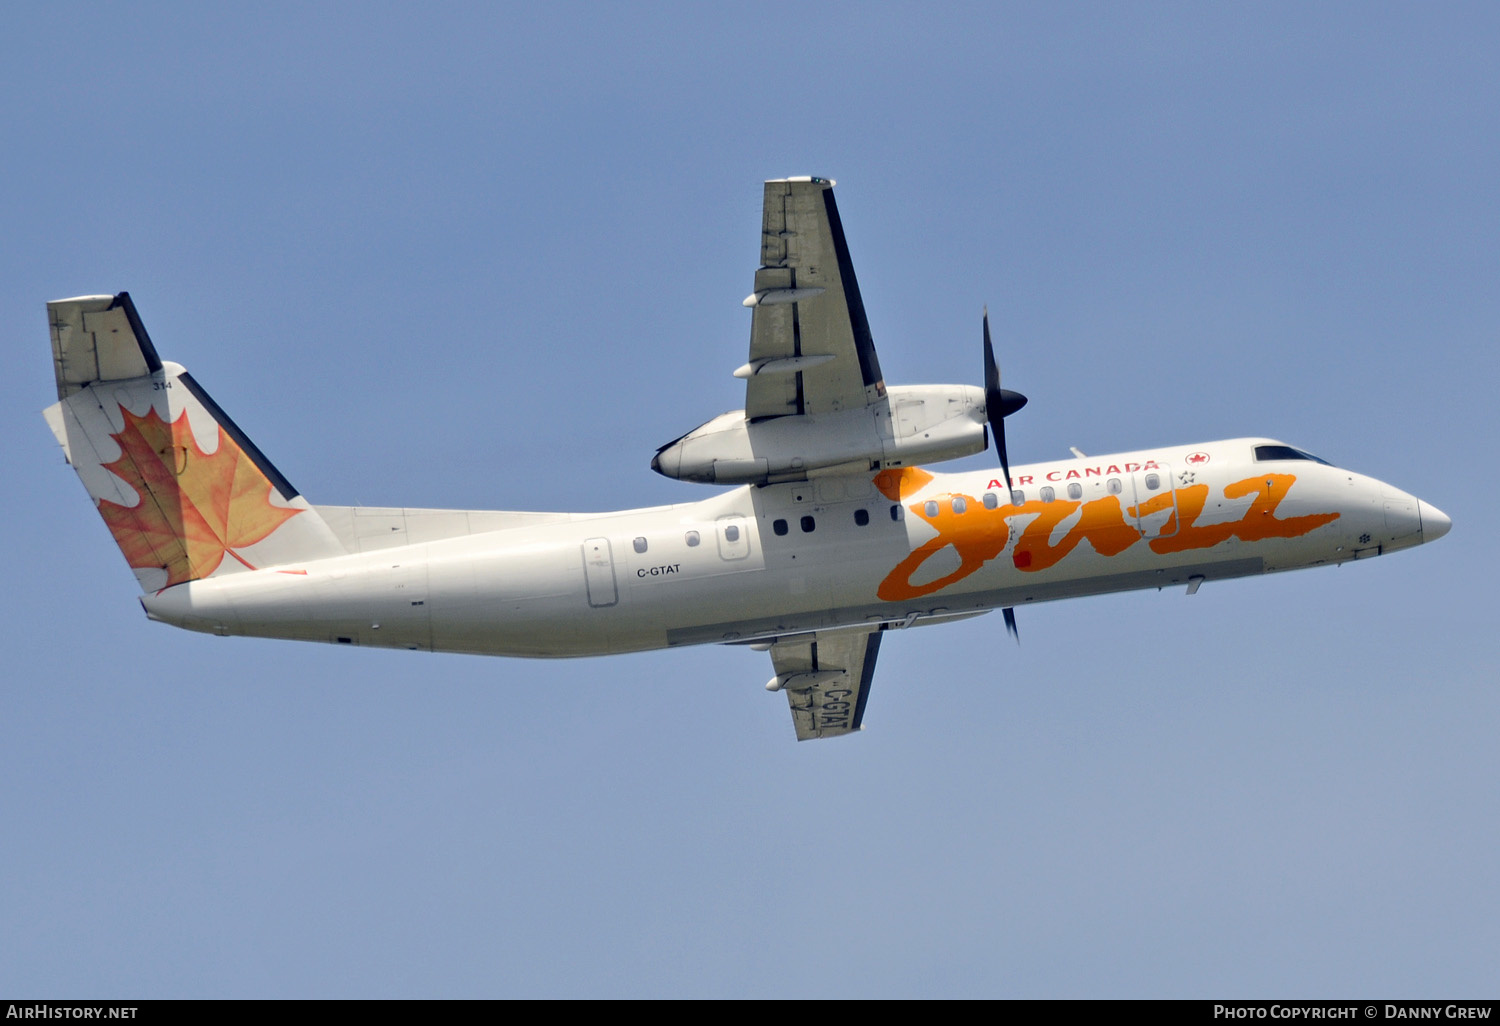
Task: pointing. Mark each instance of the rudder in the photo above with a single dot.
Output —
(184, 492)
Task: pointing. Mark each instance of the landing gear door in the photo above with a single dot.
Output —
(1155, 508)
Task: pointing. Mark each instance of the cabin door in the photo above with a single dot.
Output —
(1155, 507)
(734, 539)
(599, 572)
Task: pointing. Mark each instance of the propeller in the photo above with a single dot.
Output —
(999, 403)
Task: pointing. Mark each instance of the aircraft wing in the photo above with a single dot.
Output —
(810, 345)
(826, 677)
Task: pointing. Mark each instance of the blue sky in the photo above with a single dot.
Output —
(491, 256)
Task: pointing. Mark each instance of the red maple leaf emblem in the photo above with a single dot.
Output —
(195, 507)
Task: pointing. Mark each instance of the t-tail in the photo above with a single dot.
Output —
(184, 492)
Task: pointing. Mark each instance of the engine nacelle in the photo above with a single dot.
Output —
(912, 424)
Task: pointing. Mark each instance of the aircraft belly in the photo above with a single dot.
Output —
(960, 600)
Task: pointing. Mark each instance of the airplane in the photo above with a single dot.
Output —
(832, 533)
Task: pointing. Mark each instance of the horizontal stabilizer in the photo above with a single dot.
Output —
(98, 338)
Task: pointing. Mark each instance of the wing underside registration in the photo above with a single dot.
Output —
(826, 677)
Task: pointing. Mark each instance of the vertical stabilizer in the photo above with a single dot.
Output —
(184, 492)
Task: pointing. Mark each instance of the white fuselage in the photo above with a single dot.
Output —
(767, 562)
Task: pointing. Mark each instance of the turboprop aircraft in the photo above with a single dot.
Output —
(833, 533)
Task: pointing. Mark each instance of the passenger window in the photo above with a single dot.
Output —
(779, 526)
(1075, 490)
(861, 517)
(1048, 494)
(898, 512)
(1113, 487)
(930, 507)
(732, 533)
(1018, 497)
(692, 539)
(1153, 482)
(991, 500)
(640, 545)
(808, 524)
(960, 504)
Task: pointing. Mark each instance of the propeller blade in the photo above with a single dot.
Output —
(999, 403)
(998, 424)
(991, 368)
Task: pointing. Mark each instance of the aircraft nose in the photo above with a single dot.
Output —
(1435, 522)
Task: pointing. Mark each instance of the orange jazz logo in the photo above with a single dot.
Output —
(979, 534)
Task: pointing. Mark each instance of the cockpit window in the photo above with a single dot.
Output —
(1268, 453)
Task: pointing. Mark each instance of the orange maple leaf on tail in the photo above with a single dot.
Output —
(195, 507)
